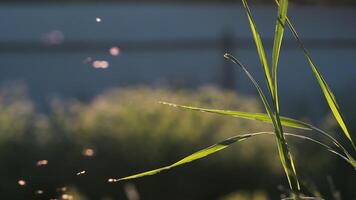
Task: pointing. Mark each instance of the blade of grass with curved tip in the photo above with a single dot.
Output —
(285, 155)
(330, 149)
(324, 145)
(259, 46)
(278, 37)
(283, 149)
(335, 142)
(215, 148)
(329, 96)
(288, 122)
(256, 85)
(195, 156)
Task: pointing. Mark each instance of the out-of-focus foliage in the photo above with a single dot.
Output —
(135, 115)
(16, 116)
(246, 196)
(124, 131)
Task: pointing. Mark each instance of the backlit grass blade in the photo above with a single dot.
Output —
(259, 46)
(195, 156)
(218, 147)
(329, 96)
(278, 37)
(288, 122)
(351, 162)
(336, 143)
(283, 149)
(256, 85)
(285, 156)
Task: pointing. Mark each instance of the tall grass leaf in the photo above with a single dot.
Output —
(195, 156)
(278, 37)
(259, 46)
(218, 147)
(256, 85)
(283, 149)
(330, 149)
(329, 96)
(288, 122)
(335, 142)
(285, 156)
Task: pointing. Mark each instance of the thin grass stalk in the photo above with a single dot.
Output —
(259, 46)
(329, 96)
(283, 149)
(288, 122)
(278, 38)
(216, 148)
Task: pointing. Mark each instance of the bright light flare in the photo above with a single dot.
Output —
(100, 64)
(67, 197)
(88, 152)
(62, 189)
(39, 192)
(112, 180)
(81, 173)
(42, 163)
(114, 51)
(21, 182)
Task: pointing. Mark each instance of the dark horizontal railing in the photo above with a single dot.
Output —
(70, 46)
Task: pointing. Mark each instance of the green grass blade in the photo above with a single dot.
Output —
(195, 156)
(288, 122)
(283, 149)
(285, 156)
(218, 147)
(281, 20)
(334, 141)
(259, 46)
(329, 96)
(256, 85)
(350, 161)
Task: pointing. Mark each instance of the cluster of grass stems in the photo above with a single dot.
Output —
(271, 105)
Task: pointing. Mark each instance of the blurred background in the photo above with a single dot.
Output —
(80, 81)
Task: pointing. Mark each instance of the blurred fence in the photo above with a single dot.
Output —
(52, 47)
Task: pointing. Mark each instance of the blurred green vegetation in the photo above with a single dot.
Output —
(246, 196)
(125, 130)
